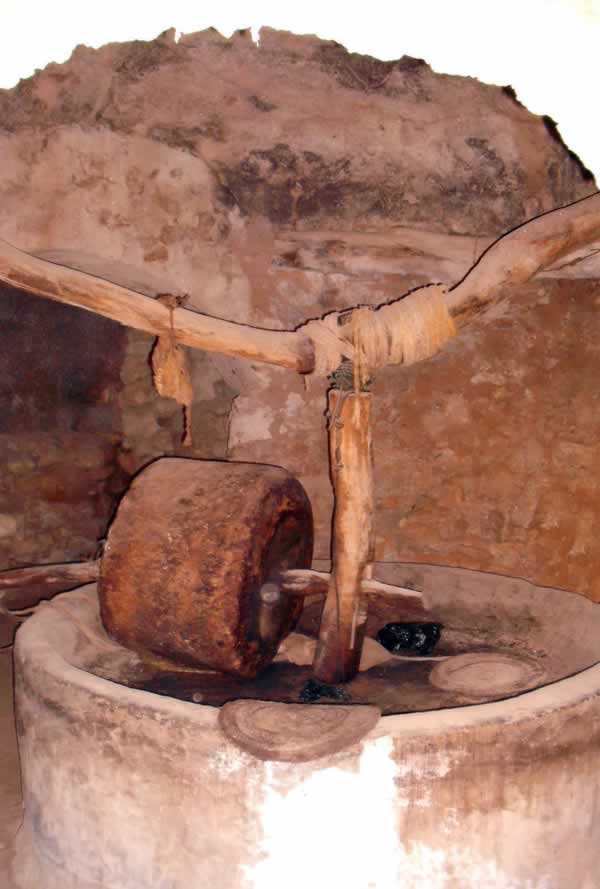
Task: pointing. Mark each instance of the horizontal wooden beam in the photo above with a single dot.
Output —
(305, 582)
(24, 587)
(76, 288)
(541, 243)
(519, 255)
(19, 587)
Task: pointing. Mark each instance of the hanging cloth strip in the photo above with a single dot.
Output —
(171, 371)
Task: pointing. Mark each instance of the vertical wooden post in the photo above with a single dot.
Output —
(345, 611)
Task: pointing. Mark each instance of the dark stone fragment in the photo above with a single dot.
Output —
(261, 104)
(313, 690)
(419, 638)
(554, 133)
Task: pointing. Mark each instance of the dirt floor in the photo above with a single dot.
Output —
(10, 786)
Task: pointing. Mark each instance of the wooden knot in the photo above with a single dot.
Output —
(172, 301)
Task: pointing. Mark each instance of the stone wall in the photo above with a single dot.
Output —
(79, 417)
(269, 183)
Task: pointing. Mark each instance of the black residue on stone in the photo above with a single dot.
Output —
(311, 157)
(261, 104)
(137, 58)
(420, 638)
(553, 131)
(499, 188)
(291, 258)
(410, 63)
(264, 180)
(363, 72)
(510, 92)
(280, 157)
(367, 74)
(186, 138)
(488, 155)
(313, 690)
(354, 71)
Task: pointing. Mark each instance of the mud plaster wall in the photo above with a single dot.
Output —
(79, 418)
(243, 176)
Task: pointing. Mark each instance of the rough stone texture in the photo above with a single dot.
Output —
(59, 371)
(205, 160)
(11, 810)
(488, 454)
(221, 531)
(79, 418)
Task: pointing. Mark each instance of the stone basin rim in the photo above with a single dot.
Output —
(552, 697)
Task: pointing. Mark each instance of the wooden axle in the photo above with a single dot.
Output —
(21, 588)
(303, 582)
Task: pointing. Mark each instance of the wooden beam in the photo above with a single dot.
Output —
(24, 587)
(76, 288)
(344, 616)
(519, 255)
(306, 582)
(511, 260)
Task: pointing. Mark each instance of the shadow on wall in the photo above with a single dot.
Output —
(79, 417)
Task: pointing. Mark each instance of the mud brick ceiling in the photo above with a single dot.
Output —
(270, 183)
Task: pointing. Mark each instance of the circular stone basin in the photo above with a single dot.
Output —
(127, 789)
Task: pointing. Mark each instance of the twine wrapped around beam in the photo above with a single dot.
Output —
(329, 346)
(403, 332)
(511, 260)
